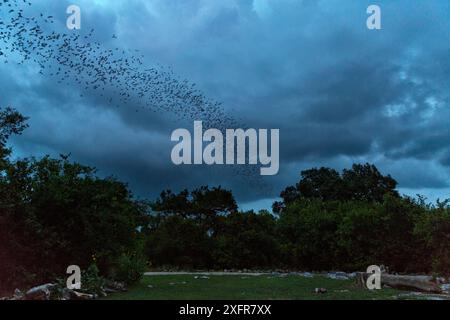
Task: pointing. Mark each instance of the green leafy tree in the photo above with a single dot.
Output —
(307, 230)
(179, 242)
(380, 233)
(184, 224)
(55, 213)
(247, 240)
(433, 231)
(204, 206)
(362, 182)
(12, 259)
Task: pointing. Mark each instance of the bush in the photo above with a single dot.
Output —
(401, 233)
(246, 240)
(433, 230)
(379, 233)
(307, 230)
(129, 268)
(91, 281)
(179, 242)
(55, 213)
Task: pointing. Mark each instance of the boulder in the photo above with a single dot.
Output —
(116, 285)
(420, 283)
(306, 275)
(109, 290)
(83, 296)
(69, 294)
(18, 295)
(320, 290)
(42, 292)
(445, 287)
(338, 276)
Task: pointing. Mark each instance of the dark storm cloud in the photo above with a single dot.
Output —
(338, 92)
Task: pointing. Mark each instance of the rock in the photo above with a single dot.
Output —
(445, 288)
(116, 285)
(42, 292)
(422, 283)
(83, 296)
(440, 280)
(67, 294)
(18, 295)
(109, 290)
(102, 293)
(437, 298)
(342, 290)
(422, 296)
(320, 290)
(417, 283)
(338, 276)
(306, 275)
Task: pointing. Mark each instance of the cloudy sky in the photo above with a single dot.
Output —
(338, 92)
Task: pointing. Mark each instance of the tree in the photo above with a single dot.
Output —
(247, 240)
(204, 206)
(307, 234)
(361, 182)
(179, 242)
(366, 183)
(433, 232)
(183, 225)
(380, 233)
(55, 213)
(11, 122)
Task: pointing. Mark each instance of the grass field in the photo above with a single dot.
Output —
(187, 287)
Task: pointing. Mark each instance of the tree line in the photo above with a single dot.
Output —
(55, 213)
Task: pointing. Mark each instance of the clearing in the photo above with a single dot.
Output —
(186, 286)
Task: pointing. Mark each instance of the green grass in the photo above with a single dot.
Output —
(186, 287)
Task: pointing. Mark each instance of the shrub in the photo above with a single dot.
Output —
(433, 231)
(129, 268)
(179, 242)
(91, 281)
(246, 240)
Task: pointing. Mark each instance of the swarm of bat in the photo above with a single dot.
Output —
(118, 75)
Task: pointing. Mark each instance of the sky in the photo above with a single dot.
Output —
(338, 92)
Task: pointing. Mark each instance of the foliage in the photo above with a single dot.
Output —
(246, 240)
(130, 268)
(433, 232)
(91, 280)
(311, 233)
(204, 206)
(363, 182)
(55, 213)
(11, 123)
(179, 241)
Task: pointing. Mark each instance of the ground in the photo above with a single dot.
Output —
(232, 287)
